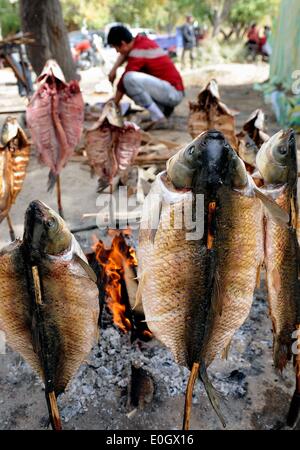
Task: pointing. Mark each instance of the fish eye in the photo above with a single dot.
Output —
(51, 223)
(191, 150)
(282, 151)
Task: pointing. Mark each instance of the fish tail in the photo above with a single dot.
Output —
(294, 411)
(52, 178)
(213, 395)
(281, 353)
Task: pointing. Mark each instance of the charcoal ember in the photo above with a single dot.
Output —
(141, 387)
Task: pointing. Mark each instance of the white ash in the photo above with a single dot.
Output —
(107, 373)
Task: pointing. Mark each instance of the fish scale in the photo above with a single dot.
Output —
(239, 255)
(174, 300)
(58, 335)
(281, 249)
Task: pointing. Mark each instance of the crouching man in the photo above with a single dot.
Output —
(150, 78)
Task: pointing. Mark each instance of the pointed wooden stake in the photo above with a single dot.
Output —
(189, 395)
(59, 202)
(53, 411)
(50, 395)
(10, 227)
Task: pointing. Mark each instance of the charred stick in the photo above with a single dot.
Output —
(189, 395)
(49, 392)
(10, 227)
(59, 202)
(88, 228)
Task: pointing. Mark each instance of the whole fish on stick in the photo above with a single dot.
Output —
(55, 118)
(197, 293)
(49, 301)
(14, 158)
(209, 112)
(112, 145)
(277, 163)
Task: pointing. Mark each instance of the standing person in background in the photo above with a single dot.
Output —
(189, 40)
(253, 34)
(150, 78)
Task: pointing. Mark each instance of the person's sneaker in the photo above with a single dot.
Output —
(162, 124)
(168, 110)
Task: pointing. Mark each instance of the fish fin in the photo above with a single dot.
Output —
(51, 181)
(213, 395)
(81, 259)
(153, 231)
(258, 277)
(278, 214)
(225, 351)
(256, 174)
(294, 411)
(276, 279)
(294, 215)
(281, 353)
(88, 270)
(217, 305)
(139, 295)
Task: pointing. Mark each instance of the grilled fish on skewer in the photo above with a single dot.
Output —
(55, 118)
(111, 145)
(14, 158)
(277, 163)
(210, 112)
(55, 333)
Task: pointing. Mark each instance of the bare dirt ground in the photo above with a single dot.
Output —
(256, 396)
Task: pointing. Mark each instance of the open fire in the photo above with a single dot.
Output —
(118, 279)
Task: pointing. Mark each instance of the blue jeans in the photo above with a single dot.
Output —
(144, 89)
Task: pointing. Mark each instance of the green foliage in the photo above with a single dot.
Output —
(244, 12)
(95, 12)
(158, 14)
(9, 17)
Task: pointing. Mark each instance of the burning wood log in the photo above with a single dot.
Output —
(111, 145)
(210, 113)
(141, 390)
(55, 119)
(14, 158)
(118, 279)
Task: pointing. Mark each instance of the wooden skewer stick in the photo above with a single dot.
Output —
(10, 227)
(189, 395)
(50, 394)
(59, 202)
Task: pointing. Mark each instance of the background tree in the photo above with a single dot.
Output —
(44, 19)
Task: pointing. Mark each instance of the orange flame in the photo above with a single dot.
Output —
(113, 261)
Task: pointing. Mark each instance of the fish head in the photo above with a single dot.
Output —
(219, 164)
(9, 130)
(277, 159)
(248, 150)
(45, 231)
(182, 167)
